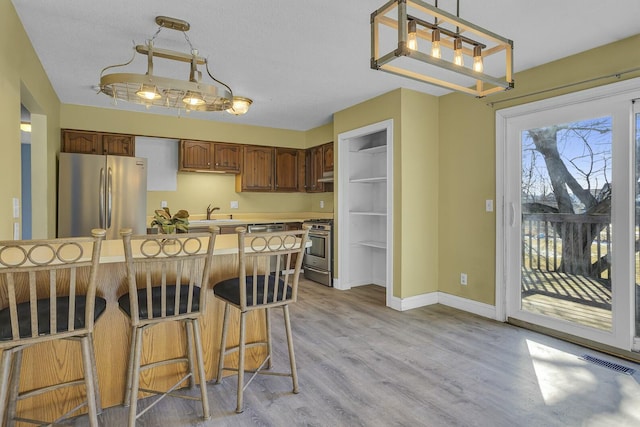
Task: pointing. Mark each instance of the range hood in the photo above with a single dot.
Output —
(326, 177)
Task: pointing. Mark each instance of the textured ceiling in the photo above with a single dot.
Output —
(299, 60)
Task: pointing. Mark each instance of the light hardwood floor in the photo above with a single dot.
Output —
(362, 364)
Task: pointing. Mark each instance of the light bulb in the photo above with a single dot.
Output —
(435, 44)
(457, 52)
(240, 105)
(149, 92)
(193, 98)
(478, 66)
(412, 38)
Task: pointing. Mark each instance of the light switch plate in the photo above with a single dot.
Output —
(234, 204)
(16, 207)
(488, 205)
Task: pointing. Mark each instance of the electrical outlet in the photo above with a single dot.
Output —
(321, 204)
(234, 204)
(163, 204)
(463, 279)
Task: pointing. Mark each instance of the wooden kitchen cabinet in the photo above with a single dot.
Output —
(286, 172)
(87, 142)
(302, 171)
(227, 157)
(313, 170)
(257, 169)
(195, 156)
(327, 157)
(204, 156)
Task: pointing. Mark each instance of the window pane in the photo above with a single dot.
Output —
(566, 221)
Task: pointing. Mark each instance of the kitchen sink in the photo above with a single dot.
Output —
(206, 222)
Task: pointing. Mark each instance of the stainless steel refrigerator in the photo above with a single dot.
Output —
(96, 191)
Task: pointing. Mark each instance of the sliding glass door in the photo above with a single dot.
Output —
(570, 218)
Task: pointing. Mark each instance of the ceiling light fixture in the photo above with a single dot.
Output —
(151, 90)
(240, 105)
(397, 22)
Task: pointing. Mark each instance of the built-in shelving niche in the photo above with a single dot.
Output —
(365, 201)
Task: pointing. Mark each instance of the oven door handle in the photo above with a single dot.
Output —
(319, 233)
(315, 270)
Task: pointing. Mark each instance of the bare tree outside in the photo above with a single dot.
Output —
(566, 173)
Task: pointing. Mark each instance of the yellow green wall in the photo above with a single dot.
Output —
(22, 79)
(468, 167)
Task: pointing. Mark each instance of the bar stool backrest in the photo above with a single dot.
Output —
(165, 273)
(267, 272)
(41, 281)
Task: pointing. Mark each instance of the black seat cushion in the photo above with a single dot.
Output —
(230, 290)
(62, 307)
(156, 296)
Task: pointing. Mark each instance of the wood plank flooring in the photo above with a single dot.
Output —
(362, 364)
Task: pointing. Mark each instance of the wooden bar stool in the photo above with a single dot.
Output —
(48, 292)
(166, 275)
(267, 278)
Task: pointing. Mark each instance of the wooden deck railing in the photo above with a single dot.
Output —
(542, 241)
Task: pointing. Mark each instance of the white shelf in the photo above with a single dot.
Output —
(373, 244)
(373, 150)
(368, 213)
(372, 179)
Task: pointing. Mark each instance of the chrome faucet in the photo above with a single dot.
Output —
(210, 210)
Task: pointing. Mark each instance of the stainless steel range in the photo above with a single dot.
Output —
(318, 258)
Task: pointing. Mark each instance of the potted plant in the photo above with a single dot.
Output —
(168, 224)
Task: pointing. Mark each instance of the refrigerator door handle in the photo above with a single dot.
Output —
(109, 196)
(101, 196)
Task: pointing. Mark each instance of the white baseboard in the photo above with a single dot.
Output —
(481, 309)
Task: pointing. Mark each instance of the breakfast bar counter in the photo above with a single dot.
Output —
(61, 360)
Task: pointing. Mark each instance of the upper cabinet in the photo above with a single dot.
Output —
(195, 156)
(227, 157)
(88, 142)
(203, 156)
(327, 157)
(257, 169)
(286, 169)
(313, 169)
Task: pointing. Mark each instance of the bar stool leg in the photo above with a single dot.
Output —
(267, 321)
(89, 381)
(5, 372)
(292, 357)
(188, 326)
(96, 382)
(223, 343)
(200, 361)
(241, 348)
(14, 387)
(132, 352)
(135, 381)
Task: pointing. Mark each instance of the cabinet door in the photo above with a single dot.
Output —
(313, 166)
(286, 169)
(257, 168)
(227, 157)
(302, 171)
(118, 145)
(327, 155)
(195, 155)
(81, 142)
